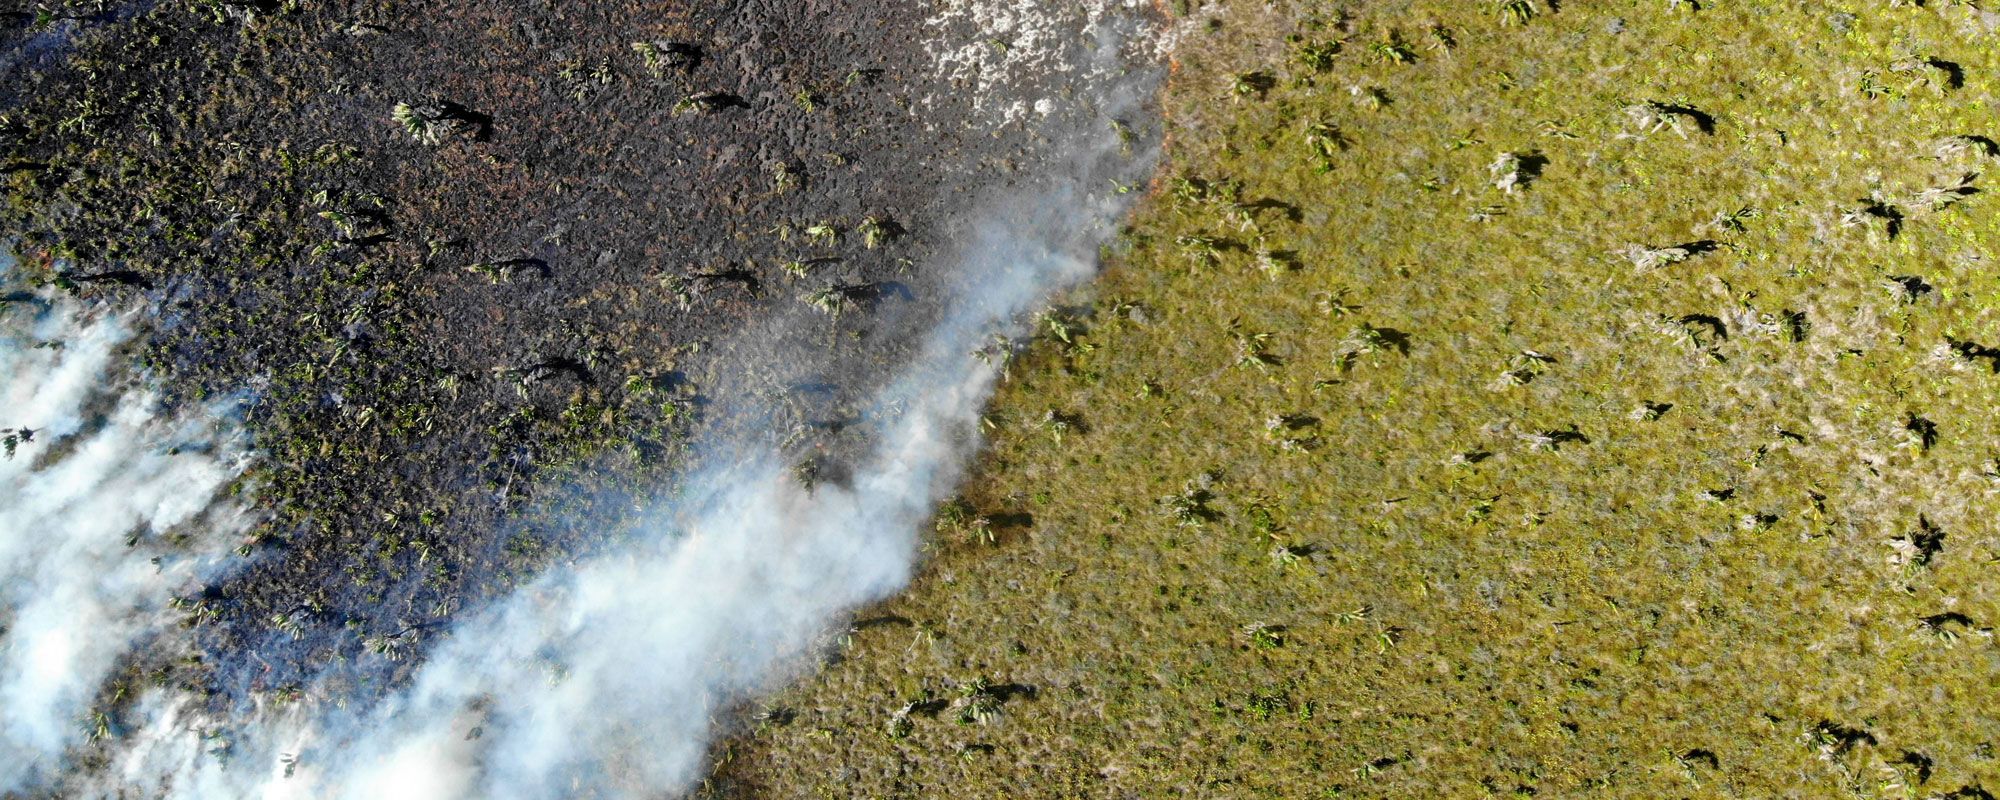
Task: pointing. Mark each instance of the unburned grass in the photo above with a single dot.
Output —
(1647, 475)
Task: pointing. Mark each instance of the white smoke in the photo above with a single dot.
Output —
(607, 677)
(106, 508)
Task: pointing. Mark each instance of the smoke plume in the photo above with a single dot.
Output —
(106, 507)
(609, 676)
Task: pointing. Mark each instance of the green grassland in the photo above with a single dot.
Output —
(1667, 472)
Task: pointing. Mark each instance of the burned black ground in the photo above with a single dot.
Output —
(458, 260)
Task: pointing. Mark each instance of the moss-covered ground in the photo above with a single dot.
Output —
(1493, 399)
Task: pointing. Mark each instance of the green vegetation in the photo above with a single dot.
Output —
(1622, 426)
